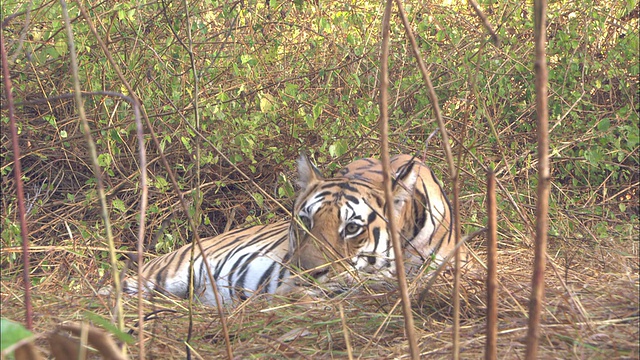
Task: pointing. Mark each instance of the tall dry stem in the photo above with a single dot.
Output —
(542, 205)
(452, 171)
(491, 348)
(17, 173)
(167, 167)
(386, 174)
(97, 172)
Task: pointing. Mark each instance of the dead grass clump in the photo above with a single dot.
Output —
(588, 314)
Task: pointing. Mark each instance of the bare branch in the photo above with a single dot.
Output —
(17, 173)
(485, 22)
(491, 348)
(386, 176)
(542, 205)
(94, 160)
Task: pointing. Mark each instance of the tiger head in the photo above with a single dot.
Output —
(341, 223)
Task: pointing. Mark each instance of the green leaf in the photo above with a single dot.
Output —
(11, 333)
(317, 110)
(119, 205)
(259, 199)
(604, 124)
(310, 121)
(161, 183)
(51, 120)
(593, 156)
(186, 142)
(61, 46)
(266, 103)
(107, 325)
(332, 150)
(104, 160)
(338, 148)
(291, 89)
(248, 59)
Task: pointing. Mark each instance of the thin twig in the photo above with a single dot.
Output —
(197, 194)
(143, 212)
(452, 171)
(94, 160)
(23, 32)
(386, 177)
(17, 173)
(172, 177)
(542, 204)
(345, 331)
(431, 91)
(456, 269)
(485, 22)
(491, 348)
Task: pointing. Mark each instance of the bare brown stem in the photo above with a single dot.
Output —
(431, 91)
(386, 175)
(456, 274)
(172, 177)
(143, 211)
(485, 22)
(542, 205)
(452, 170)
(94, 160)
(491, 349)
(17, 174)
(345, 331)
(198, 195)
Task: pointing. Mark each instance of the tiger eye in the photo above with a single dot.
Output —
(351, 229)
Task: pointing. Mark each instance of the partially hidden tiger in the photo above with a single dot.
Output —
(338, 224)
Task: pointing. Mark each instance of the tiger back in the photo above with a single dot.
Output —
(243, 262)
(426, 221)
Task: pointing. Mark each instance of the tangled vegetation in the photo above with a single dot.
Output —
(258, 82)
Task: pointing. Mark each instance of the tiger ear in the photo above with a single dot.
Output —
(307, 172)
(404, 184)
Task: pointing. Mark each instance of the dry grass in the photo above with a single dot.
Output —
(591, 313)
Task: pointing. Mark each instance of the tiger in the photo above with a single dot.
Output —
(243, 262)
(338, 223)
(426, 221)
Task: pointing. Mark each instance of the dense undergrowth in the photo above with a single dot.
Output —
(279, 77)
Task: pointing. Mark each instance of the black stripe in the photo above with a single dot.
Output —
(266, 277)
(376, 237)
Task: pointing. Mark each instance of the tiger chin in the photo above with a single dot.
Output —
(338, 235)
